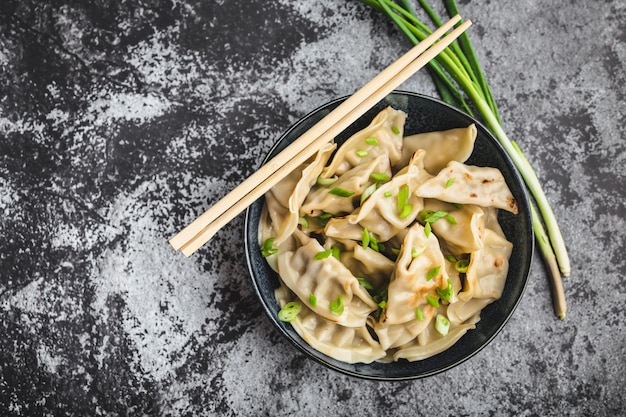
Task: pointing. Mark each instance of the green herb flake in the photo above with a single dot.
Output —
(374, 243)
(371, 141)
(289, 312)
(336, 307)
(446, 293)
(442, 324)
(395, 129)
(365, 284)
(430, 216)
(368, 192)
(403, 197)
(335, 252)
(427, 230)
(324, 218)
(433, 272)
(462, 265)
(268, 248)
(313, 300)
(304, 222)
(323, 254)
(419, 314)
(380, 176)
(450, 258)
(341, 192)
(451, 219)
(325, 182)
(406, 210)
(450, 182)
(433, 301)
(365, 238)
(415, 252)
(387, 194)
(362, 153)
(382, 304)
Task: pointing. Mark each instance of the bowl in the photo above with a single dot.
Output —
(424, 114)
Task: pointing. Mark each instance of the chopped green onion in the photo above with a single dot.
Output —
(387, 194)
(427, 229)
(415, 252)
(334, 250)
(304, 222)
(325, 182)
(442, 324)
(323, 254)
(433, 272)
(289, 312)
(403, 197)
(374, 243)
(365, 284)
(395, 129)
(451, 258)
(451, 219)
(433, 301)
(406, 210)
(368, 192)
(419, 314)
(395, 251)
(268, 248)
(382, 304)
(341, 192)
(365, 238)
(446, 293)
(336, 307)
(371, 141)
(462, 265)
(362, 153)
(430, 216)
(450, 182)
(323, 219)
(380, 176)
(313, 300)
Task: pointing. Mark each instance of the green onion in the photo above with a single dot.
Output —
(382, 304)
(333, 251)
(388, 194)
(268, 248)
(336, 307)
(427, 229)
(395, 129)
(442, 324)
(415, 252)
(289, 312)
(406, 210)
(374, 243)
(324, 218)
(430, 216)
(304, 222)
(380, 177)
(368, 192)
(325, 182)
(462, 265)
(446, 293)
(371, 141)
(451, 219)
(365, 284)
(450, 258)
(457, 74)
(433, 301)
(450, 182)
(341, 192)
(362, 153)
(433, 272)
(403, 197)
(313, 300)
(365, 238)
(419, 314)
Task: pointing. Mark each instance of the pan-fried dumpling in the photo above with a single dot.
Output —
(366, 263)
(466, 184)
(461, 230)
(327, 279)
(346, 344)
(394, 335)
(441, 147)
(383, 136)
(380, 213)
(322, 199)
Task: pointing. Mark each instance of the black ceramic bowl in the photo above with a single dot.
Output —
(424, 114)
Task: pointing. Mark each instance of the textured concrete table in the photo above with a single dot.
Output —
(120, 122)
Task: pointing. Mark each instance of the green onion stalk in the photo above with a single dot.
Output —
(460, 82)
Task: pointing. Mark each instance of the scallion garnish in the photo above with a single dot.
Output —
(450, 258)
(395, 129)
(442, 324)
(450, 182)
(365, 238)
(382, 304)
(387, 194)
(380, 177)
(365, 284)
(341, 192)
(268, 248)
(433, 272)
(403, 197)
(433, 301)
(323, 218)
(445, 293)
(304, 222)
(419, 314)
(334, 250)
(462, 265)
(289, 312)
(427, 229)
(406, 210)
(415, 252)
(336, 307)
(451, 219)
(325, 182)
(371, 141)
(429, 216)
(368, 192)
(313, 300)
(362, 153)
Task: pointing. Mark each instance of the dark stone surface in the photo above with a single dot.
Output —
(121, 121)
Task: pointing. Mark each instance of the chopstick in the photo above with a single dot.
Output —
(201, 230)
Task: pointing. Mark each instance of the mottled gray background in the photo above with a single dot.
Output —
(121, 121)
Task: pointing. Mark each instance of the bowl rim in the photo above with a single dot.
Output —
(327, 361)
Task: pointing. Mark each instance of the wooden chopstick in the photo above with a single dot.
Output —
(205, 226)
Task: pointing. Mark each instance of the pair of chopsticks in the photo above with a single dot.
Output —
(204, 227)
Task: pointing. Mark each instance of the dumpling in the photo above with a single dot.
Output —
(441, 147)
(462, 231)
(327, 280)
(383, 136)
(346, 344)
(321, 199)
(466, 184)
